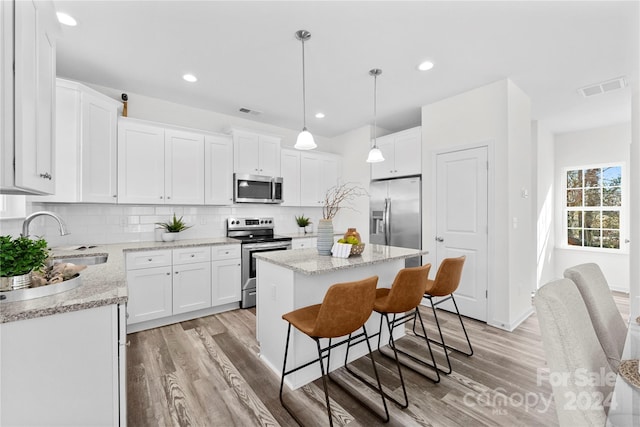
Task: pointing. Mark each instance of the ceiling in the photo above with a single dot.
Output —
(245, 54)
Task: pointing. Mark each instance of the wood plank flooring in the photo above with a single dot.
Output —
(206, 372)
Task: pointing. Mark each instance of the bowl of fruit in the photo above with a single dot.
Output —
(356, 246)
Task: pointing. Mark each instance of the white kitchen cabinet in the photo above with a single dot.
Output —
(290, 172)
(140, 162)
(150, 294)
(218, 169)
(402, 155)
(255, 153)
(191, 279)
(158, 165)
(64, 369)
(304, 242)
(225, 275)
(86, 145)
(318, 173)
(28, 95)
(184, 167)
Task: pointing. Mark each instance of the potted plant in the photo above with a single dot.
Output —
(334, 199)
(18, 258)
(172, 228)
(302, 222)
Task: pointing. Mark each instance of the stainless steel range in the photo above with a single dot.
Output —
(256, 235)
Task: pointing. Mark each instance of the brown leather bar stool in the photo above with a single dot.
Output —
(445, 284)
(401, 301)
(345, 309)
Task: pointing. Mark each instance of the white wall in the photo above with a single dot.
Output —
(634, 191)
(609, 144)
(543, 194)
(496, 115)
(354, 147)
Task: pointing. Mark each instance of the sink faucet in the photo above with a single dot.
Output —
(27, 222)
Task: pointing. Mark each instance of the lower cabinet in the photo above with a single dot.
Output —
(304, 243)
(169, 286)
(64, 369)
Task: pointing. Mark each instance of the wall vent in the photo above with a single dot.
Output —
(249, 111)
(603, 87)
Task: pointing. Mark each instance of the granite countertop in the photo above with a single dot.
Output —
(102, 284)
(307, 261)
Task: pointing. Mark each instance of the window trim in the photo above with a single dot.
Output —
(623, 209)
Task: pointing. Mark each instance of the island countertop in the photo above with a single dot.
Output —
(102, 284)
(307, 261)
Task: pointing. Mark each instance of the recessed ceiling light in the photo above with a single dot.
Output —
(426, 65)
(190, 78)
(65, 19)
(319, 115)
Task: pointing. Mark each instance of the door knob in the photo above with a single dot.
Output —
(439, 239)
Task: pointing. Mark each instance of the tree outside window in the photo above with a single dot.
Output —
(593, 205)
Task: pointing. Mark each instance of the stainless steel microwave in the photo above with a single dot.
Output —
(257, 189)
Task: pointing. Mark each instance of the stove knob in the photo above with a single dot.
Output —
(270, 221)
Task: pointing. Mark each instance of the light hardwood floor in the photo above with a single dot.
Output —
(206, 372)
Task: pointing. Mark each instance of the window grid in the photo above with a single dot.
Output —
(593, 206)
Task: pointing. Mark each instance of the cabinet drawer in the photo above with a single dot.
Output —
(225, 252)
(191, 255)
(146, 259)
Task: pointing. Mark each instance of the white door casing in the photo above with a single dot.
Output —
(462, 224)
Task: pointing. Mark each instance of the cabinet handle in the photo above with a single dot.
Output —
(238, 265)
(150, 259)
(177, 272)
(168, 274)
(226, 253)
(193, 255)
(46, 175)
(114, 196)
(168, 197)
(161, 197)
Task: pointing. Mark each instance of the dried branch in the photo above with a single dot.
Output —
(337, 195)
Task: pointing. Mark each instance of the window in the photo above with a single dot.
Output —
(593, 207)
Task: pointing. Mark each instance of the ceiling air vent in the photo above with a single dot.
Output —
(603, 87)
(249, 111)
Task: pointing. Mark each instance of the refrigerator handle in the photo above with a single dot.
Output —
(387, 221)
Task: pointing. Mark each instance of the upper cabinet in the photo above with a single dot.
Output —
(402, 155)
(290, 172)
(28, 69)
(158, 165)
(218, 170)
(255, 153)
(318, 172)
(86, 145)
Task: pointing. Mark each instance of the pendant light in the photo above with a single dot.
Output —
(375, 155)
(305, 139)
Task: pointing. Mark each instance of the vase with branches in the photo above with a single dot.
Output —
(337, 197)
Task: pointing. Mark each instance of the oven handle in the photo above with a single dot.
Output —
(267, 245)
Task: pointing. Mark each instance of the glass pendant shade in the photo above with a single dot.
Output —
(305, 141)
(375, 156)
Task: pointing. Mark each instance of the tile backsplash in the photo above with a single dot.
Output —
(103, 224)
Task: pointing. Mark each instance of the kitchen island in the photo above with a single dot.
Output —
(288, 280)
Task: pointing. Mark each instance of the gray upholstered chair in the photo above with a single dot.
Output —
(572, 351)
(607, 321)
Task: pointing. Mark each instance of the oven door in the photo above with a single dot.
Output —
(249, 268)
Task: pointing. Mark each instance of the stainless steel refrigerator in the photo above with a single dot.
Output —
(395, 214)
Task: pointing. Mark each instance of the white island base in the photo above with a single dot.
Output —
(288, 280)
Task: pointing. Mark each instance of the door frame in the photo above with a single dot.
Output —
(490, 145)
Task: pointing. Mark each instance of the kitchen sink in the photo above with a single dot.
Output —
(82, 260)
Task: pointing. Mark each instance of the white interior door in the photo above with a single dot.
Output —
(461, 224)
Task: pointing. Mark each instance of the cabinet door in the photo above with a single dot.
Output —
(329, 174)
(184, 168)
(225, 281)
(304, 243)
(191, 287)
(140, 163)
(269, 156)
(149, 294)
(310, 194)
(99, 149)
(407, 153)
(246, 153)
(290, 172)
(34, 59)
(384, 169)
(218, 169)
